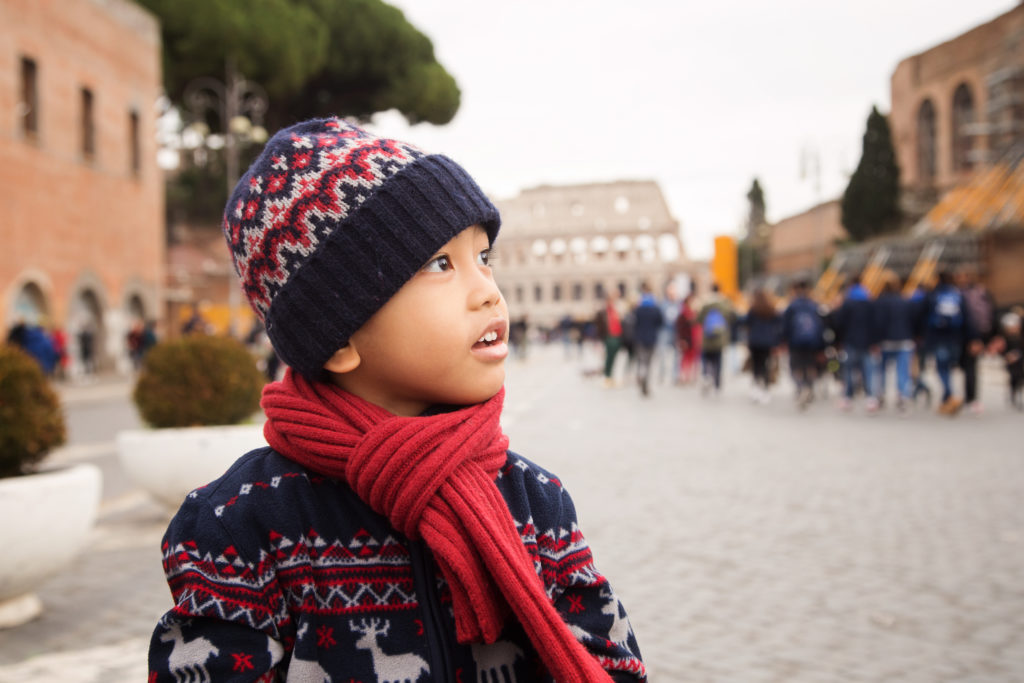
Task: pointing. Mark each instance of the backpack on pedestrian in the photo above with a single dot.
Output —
(808, 329)
(716, 327)
(947, 312)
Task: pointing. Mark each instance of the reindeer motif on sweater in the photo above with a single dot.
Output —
(278, 573)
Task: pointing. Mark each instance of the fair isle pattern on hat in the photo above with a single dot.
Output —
(305, 193)
(331, 220)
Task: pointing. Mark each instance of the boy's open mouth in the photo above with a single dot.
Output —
(489, 339)
(493, 335)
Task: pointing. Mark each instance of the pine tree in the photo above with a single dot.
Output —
(313, 57)
(756, 212)
(750, 248)
(870, 204)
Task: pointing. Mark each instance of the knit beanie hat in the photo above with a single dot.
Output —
(331, 220)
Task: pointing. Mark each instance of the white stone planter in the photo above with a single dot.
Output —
(169, 463)
(46, 520)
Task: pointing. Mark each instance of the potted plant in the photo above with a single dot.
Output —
(45, 513)
(195, 392)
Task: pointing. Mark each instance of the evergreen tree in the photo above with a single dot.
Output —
(870, 205)
(313, 57)
(756, 212)
(750, 248)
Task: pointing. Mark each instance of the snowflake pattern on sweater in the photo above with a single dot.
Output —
(280, 574)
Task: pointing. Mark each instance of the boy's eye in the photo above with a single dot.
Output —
(485, 257)
(438, 264)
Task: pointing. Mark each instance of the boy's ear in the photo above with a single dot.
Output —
(345, 359)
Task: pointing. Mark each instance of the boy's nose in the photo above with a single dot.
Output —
(483, 289)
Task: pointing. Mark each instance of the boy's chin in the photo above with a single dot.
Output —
(480, 394)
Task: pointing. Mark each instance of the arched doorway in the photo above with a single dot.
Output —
(88, 332)
(30, 306)
(136, 309)
(926, 143)
(963, 117)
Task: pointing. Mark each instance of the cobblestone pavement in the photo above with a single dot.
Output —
(749, 542)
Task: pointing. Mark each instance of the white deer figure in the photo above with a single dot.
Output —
(188, 659)
(490, 659)
(620, 630)
(404, 668)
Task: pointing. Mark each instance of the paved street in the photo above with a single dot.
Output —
(749, 542)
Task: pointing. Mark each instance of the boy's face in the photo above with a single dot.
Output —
(423, 346)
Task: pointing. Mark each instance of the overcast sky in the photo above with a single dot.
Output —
(701, 97)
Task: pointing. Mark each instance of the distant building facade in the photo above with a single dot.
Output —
(799, 244)
(957, 110)
(562, 248)
(82, 197)
(958, 106)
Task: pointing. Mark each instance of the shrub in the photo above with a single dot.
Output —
(31, 417)
(198, 380)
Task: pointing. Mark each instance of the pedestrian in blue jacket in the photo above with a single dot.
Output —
(857, 337)
(648, 321)
(948, 330)
(803, 332)
(763, 325)
(896, 319)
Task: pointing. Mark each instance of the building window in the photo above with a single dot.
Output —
(577, 291)
(88, 124)
(668, 248)
(538, 293)
(926, 142)
(963, 117)
(556, 292)
(520, 295)
(599, 291)
(134, 143)
(28, 108)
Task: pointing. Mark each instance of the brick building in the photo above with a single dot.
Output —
(957, 121)
(799, 244)
(562, 247)
(958, 106)
(958, 129)
(81, 195)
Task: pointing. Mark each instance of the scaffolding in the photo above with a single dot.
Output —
(923, 272)
(873, 276)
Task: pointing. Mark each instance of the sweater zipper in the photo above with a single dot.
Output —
(441, 668)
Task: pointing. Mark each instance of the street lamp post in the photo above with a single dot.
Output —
(810, 166)
(239, 104)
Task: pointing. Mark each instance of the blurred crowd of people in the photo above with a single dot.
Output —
(860, 342)
(52, 349)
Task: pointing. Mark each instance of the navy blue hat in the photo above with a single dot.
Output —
(330, 221)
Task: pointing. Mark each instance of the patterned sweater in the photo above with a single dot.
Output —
(281, 574)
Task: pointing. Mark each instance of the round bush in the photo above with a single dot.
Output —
(31, 417)
(198, 380)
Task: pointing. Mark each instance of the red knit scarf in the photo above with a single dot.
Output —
(433, 478)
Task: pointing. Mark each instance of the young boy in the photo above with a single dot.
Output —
(387, 534)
